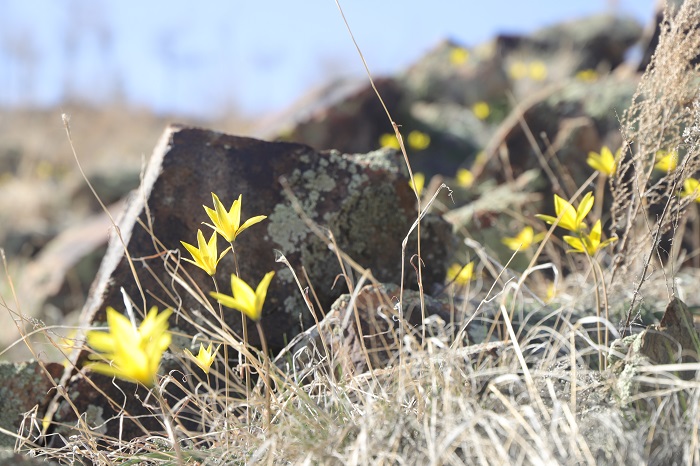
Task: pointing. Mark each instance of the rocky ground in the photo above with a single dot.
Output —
(505, 125)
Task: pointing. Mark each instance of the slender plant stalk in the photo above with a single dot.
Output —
(597, 310)
(226, 368)
(169, 425)
(266, 375)
(244, 324)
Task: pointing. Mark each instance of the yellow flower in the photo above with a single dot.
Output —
(205, 255)
(459, 55)
(205, 358)
(538, 71)
(465, 178)
(461, 275)
(666, 161)
(588, 243)
(389, 140)
(691, 187)
(571, 219)
(418, 140)
(550, 293)
(481, 110)
(243, 298)
(131, 354)
(517, 70)
(604, 162)
(523, 240)
(588, 75)
(420, 183)
(228, 224)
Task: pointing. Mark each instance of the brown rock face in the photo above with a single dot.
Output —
(363, 199)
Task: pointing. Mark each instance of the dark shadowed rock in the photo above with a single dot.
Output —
(563, 123)
(675, 340)
(364, 199)
(345, 115)
(23, 387)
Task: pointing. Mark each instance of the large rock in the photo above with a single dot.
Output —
(363, 199)
(24, 387)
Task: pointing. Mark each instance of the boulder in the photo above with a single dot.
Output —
(24, 387)
(363, 199)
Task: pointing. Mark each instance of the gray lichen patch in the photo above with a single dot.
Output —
(286, 228)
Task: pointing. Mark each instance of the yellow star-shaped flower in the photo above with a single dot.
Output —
(228, 223)
(131, 353)
(205, 358)
(523, 240)
(205, 255)
(569, 218)
(243, 298)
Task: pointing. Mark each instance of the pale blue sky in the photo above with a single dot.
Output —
(259, 56)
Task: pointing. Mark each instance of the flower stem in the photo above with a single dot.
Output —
(227, 370)
(266, 375)
(244, 325)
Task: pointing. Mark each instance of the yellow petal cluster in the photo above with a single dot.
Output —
(666, 161)
(205, 358)
(570, 218)
(461, 275)
(604, 161)
(588, 243)
(419, 178)
(205, 254)
(131, 353)
(228, 223)
(691, 187)
(243, 298)
(523, 240)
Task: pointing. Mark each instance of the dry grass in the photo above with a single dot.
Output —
(529, 393)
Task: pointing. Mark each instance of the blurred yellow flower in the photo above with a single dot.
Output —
(588, 243)
(420, 183)
(604, 162)
(537, 71)
(129, 353)
(461, 275)
(389, 140)
(666, 161)
(205, 358)
(243, 298)
(459, 55)
(691, 187)
(464, 178)
(418, 140)
(588, 75)
(228, 224)
(550, 293)
(523, 240)
(517, 70)
(571, 219)
(481, 110)
(205, 255)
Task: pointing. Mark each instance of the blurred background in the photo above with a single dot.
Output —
(220, 57)
(123, 70)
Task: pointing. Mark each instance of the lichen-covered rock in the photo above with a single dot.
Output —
(675, 340)
(363, 199)
(24, 387)
(576, 117)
